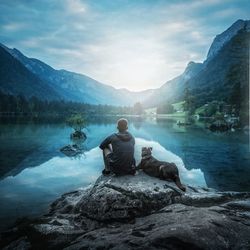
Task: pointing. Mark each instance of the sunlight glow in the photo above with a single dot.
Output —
(133, 64)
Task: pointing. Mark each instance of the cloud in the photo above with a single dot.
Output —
(14, 26)
(75, 7)
(125, 43)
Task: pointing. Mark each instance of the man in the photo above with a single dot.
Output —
(118, 151)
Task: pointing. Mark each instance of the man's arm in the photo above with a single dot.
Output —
(106, 142)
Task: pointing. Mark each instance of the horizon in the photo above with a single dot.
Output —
(118, 47)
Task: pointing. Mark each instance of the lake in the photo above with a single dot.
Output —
(33, 171)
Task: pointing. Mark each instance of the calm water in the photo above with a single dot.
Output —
(33, 172)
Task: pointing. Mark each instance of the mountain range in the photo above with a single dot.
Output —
(222, 75)
(224, 71)
(29, 76)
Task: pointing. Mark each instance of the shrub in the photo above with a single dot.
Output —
(77, 122)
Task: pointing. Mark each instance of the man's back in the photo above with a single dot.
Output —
(122, 156)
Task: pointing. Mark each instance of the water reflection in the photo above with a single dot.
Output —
(29, 192)
(193, 177)
(64, 173)
(34, 172)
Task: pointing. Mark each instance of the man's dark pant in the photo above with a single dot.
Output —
(107, 158)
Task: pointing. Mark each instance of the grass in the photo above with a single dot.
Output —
(177, 106)
(200, 110)
(176, 114)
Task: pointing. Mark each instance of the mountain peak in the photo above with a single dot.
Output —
(192, 69)
(4, 47)
(221, 39)
(14, 52)
(190, 63)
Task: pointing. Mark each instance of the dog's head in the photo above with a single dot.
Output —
(146, 151)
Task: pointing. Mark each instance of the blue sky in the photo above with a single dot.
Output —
(134, 44)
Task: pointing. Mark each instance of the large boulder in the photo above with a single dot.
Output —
(124, 198)
(138, 212)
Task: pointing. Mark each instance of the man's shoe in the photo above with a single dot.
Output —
(106, 172)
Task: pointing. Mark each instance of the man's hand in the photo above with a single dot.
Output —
(138, 166)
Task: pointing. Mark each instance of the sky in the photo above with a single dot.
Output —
(133, 44)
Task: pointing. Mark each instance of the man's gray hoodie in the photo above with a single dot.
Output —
(122, 157)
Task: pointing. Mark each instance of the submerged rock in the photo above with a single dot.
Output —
(139, 212)
(71, 150)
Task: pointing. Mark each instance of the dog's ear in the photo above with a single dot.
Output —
(151, 148)
(143, 148)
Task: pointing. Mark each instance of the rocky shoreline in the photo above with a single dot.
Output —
(138, 212)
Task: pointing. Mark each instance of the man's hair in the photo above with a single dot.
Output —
(122, 124)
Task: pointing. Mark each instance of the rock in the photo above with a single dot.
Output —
(124, 198)
(71, 150)
(20, 244)
(178, 227)
(139, 212)
(78, 135)
(221, 127)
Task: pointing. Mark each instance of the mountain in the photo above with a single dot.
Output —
(225, 73)
(16, 79)
(72, 86)
(173, 90)
(221, 39)
(222, 76)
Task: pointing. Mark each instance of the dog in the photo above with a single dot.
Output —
(161, 169)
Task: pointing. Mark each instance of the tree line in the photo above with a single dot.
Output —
(34, 106)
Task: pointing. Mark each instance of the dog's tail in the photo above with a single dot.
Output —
(178, 183)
